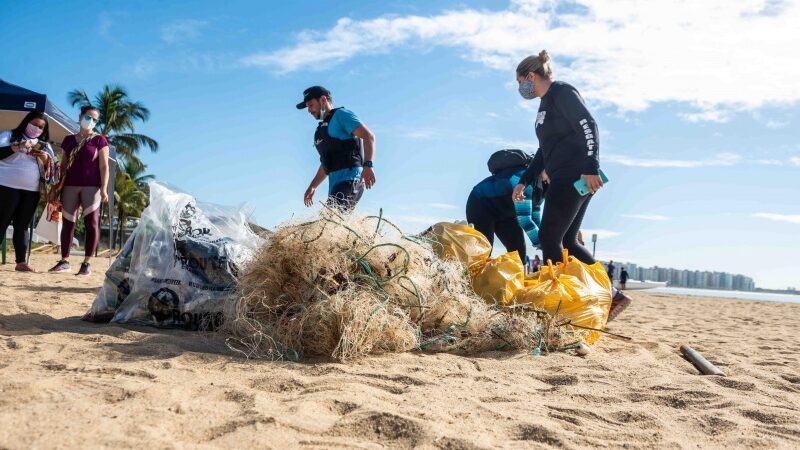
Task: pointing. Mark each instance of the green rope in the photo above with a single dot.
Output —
(380, 217)
(371, 274)
(384, 220)
(403, 271)
(420, 301)
(467, 321)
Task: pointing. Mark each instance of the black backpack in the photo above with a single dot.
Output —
(507, 159)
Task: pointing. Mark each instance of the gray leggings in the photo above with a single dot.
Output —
(87, 198)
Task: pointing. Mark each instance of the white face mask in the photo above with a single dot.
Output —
(88, 122)
(322, 113)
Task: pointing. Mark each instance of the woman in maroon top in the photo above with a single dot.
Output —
(85, 166)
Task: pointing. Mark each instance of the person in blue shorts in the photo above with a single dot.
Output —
(491, 210)
(346, 150)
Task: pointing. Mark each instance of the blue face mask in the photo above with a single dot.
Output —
(526, 90)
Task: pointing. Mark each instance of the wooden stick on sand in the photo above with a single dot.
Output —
(702, 364)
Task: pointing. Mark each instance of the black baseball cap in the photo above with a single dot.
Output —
(311, 93)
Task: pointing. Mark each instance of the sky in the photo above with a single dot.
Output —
(696, 104)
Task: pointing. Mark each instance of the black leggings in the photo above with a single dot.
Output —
(563, 213)
(17, 206)
(484, 215)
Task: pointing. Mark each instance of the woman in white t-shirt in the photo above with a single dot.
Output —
(26, 162)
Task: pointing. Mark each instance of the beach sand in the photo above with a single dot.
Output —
(69, 384)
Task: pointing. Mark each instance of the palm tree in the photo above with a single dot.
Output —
(130, 201)
(118, 117)
(133, 191)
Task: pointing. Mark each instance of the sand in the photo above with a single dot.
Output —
(69, 384)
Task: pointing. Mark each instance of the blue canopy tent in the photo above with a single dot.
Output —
(15, 103)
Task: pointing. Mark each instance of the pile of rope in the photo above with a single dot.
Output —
(346, 286)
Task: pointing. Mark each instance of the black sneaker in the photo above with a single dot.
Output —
(84, 271)
(61, 266)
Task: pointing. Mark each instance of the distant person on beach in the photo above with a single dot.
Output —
(610, 270)
(568, 151)
(346, 151)
(27, 164)
(536, 264)
(623, 278)
(84, 184)
(491, 209)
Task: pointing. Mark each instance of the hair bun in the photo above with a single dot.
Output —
(544, 57)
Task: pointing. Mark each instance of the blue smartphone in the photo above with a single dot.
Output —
(581, 186)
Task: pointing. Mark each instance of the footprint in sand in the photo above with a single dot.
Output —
(277, 385)
(380, 427)
(447, 443)
(639, 418)
(734, 384)
(243, 399)
(714, 426)
(559, 380)
(794, 379)
(117, 394)
(538, 433)
(766, 418)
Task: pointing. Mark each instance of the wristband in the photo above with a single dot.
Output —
(367, 164)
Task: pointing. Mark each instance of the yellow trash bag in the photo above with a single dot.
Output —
(461, 242)
(500, 279)
(594, 277)
(569, 298)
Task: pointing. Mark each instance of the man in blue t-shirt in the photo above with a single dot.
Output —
(346, 150)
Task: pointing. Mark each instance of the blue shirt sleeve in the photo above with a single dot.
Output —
(343, 123)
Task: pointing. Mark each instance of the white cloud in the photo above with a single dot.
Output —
(775, 124)
(769, 162)
(627, 53)
(182, 30)
(651, 217)
(147, 66)
(708, 115)
(790, 218)
(442, 205)
(795, 161)
(720, 159)
(601, 234)
(500, 143)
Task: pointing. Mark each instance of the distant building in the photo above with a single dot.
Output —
(687, 278)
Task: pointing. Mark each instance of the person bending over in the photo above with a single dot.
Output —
(492, 211)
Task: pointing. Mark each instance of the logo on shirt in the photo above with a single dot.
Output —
(540, 118)
(587, 131)
(317, 142)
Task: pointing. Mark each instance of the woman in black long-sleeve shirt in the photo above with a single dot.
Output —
(568, 151)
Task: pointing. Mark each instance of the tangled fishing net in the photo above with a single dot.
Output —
(347, 286)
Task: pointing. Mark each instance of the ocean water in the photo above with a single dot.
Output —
(765, 296)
